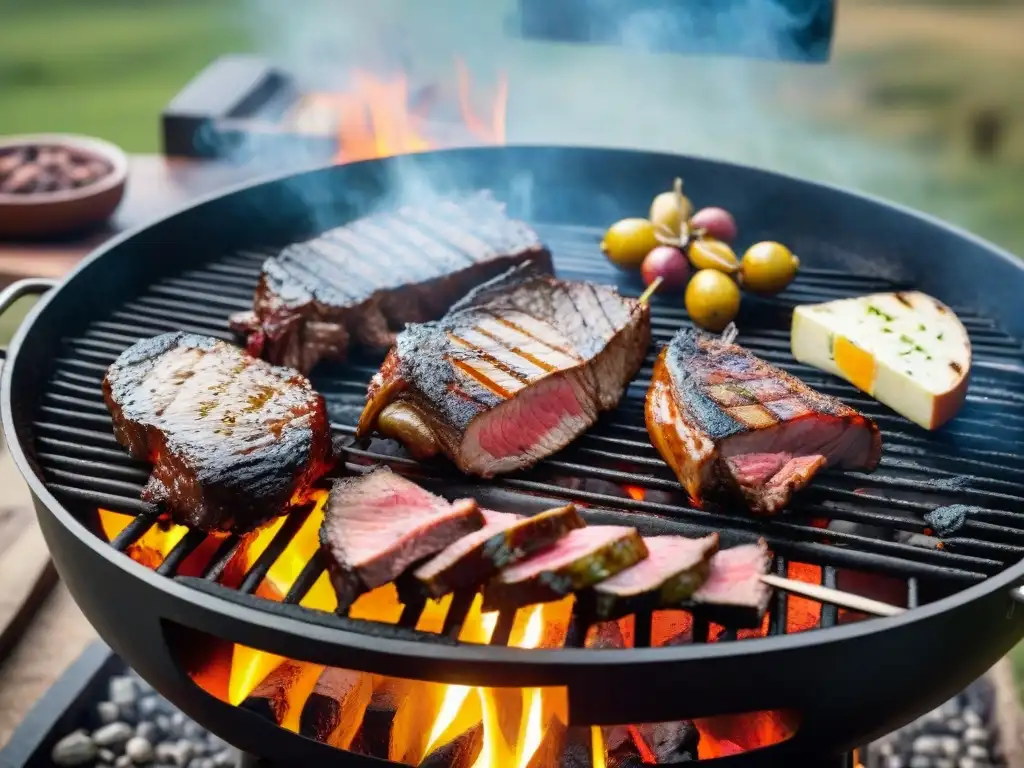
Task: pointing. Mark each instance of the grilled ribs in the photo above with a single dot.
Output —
(735, 428)
(234, 441)
(513, 373)
(364, 281)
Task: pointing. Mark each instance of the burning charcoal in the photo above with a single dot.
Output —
(460, 752)
(503, 541)
(327, 713)
(675, 567)
(378, 524)
(672, 742)
(734, 594)
(76, 748)
(374, 735)
(577, 749)
(113, 735)
(268, 699)
(107, 712)
(582, 559)
(139, 750)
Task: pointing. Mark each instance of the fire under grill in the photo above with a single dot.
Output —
(863, 533)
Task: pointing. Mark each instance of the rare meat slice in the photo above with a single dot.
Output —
(378, 524)
(733, 592)
(516, 371)
(585, 557)
(233, 440)
(361, 283)
(503, 541)
(733, 427)
(675, 567)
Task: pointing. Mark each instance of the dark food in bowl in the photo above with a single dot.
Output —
(32, 169)
(735, 428)
(360, 283)
(516, 371)
(234, 440)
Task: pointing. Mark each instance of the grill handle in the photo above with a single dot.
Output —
(30, 286)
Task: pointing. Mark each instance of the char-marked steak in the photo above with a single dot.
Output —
(361, 283)
(583, 558)
(378, 524)
(503, 541)
(674, 569)
(233, 440)
(735, 428)
(733, 593)
(513, 373)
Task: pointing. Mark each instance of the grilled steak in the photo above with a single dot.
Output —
(377, 525)
(585, 557)
(675, 567)
(503, 541)
(233, 440)
(513, 373)
(734, 427)
(733, 592)
(364, 281)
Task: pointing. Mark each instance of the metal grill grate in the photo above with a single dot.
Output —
(865, 522)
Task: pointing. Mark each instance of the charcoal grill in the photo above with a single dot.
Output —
(850, 682)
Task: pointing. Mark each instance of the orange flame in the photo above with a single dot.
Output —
(378, 115)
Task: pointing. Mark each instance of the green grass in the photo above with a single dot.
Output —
(107, 67)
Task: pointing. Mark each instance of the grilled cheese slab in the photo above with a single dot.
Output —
(905, 349)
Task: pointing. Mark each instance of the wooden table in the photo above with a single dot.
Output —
(57, 632)
(156, 186)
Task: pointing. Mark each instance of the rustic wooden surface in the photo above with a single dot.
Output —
(156, 186)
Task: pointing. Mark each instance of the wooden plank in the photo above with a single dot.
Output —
(26, 576)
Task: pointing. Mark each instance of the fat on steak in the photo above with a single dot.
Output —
(379, 524)
(233, 440)
(734, 428)
(515, 371)
(362, 282)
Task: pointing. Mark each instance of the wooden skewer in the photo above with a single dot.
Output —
(833, 596)
(646, 295)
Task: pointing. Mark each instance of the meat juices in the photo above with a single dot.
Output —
(234, 441)
(362, 282)
(378, 524)
(735, 428)
(514, 372)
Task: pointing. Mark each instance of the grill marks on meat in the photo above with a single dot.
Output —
(674, 569)
(513, 373)
(234, 441)
(361, 282)
(379, 524)
(583, 558)
(505, 540)
(733, 427)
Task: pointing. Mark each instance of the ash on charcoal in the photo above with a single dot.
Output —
(947, 520)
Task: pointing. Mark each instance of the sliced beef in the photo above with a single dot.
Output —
(735, 428)
(583, 558)
(733, 592)
(360, 283)
(513, 373)
(233, 440)
(503, 541)
(675, 567)
(378, 524)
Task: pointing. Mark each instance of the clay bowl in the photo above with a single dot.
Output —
(37, 214)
